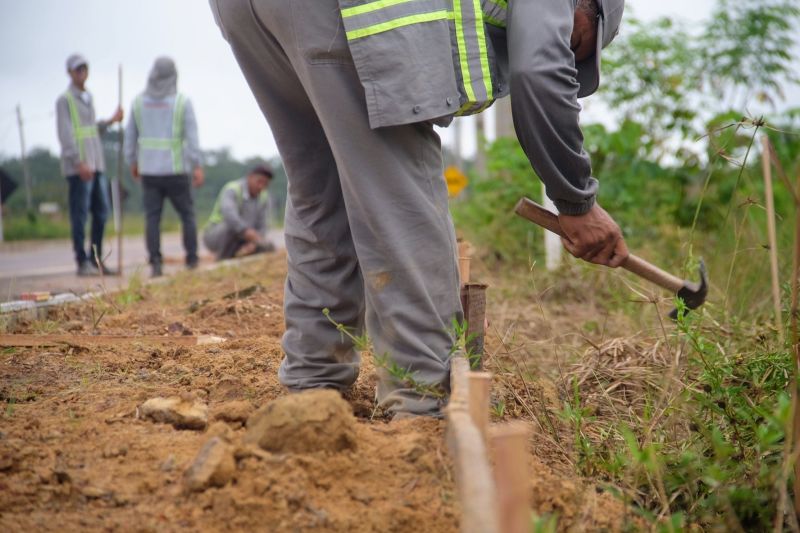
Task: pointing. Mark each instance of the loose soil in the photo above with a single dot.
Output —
(75, 455)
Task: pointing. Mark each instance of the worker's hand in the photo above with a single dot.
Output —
(594, 237)
(198, 177)
(85, 172)
(135, 172)
(251, 235)
(118, 115)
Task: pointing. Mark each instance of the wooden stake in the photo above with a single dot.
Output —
(474, 482)
(480, 384)
(795, 339)
(509, 447)
(473, 301)
(464, 260)
(773, 240)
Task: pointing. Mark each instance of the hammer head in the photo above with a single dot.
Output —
(693, 294)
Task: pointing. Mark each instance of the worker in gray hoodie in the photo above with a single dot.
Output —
(162, 149)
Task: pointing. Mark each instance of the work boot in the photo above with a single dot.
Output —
(191, 264)
(87, 269)
(155, 270)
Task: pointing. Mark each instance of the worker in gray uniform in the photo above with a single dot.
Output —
(238, 222)
(83, 164)
(162, 148)
(351, 90)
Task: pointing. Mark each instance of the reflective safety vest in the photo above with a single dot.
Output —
(238, 189)
(174, 143)
(81, 132)
(369, 27)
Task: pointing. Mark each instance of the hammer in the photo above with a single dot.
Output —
(692, 294)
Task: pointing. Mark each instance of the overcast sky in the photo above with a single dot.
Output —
(36, 36)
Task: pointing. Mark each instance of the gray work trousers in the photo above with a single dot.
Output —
(368, 231)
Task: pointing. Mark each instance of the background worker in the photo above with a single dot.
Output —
(83, 164)
(162, 147)
(368, 230)
(238, 223)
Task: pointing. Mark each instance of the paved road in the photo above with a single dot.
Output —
(49, 265)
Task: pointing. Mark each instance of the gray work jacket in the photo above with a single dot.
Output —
(161, 136)
(74, 146)
(238, 210)
(431, 60)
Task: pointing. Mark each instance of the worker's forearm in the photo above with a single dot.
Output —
(544, 101)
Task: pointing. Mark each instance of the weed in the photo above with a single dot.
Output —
(133, 292)
(402, 376)
(499, 408)
(10, 408)
(543, 524)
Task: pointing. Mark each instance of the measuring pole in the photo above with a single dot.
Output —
(771, 232)
(118, 183)
(25, 172)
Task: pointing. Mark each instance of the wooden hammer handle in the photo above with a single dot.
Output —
(530, 210)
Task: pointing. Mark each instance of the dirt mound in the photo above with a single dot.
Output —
(311, 421)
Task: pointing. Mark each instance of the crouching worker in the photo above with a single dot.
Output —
(238, 223)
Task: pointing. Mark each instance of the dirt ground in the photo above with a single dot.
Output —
(74, 455)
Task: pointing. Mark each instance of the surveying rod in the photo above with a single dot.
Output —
(116, 194)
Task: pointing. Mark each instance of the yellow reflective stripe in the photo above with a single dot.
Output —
(398, 23)
(137, 112)
(177, 134)
(80, 132)
(462, 51)
(493, 21)
(371, 6)
(487, 76)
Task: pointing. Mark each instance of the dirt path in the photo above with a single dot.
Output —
(75, 456)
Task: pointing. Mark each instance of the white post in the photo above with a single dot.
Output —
(552, 242)
(25, 172)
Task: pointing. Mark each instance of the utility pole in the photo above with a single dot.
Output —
(25, 172)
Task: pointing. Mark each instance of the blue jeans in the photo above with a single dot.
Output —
(85, 197)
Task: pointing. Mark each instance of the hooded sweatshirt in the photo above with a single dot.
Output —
(158, 141)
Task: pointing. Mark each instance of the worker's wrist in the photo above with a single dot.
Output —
(575, 208)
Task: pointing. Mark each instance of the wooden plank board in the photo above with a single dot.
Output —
(18, 340)
(474, 480)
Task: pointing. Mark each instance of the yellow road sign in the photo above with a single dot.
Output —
(456, 180)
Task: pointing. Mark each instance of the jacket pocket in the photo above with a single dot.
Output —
(402, 52)
(319, 32)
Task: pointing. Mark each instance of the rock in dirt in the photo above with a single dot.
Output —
(181, 413)
(312, 421)
(214, 466)
(221, 430)
(235, 412)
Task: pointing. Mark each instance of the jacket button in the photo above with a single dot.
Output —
(416, 109)
(449, 101)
